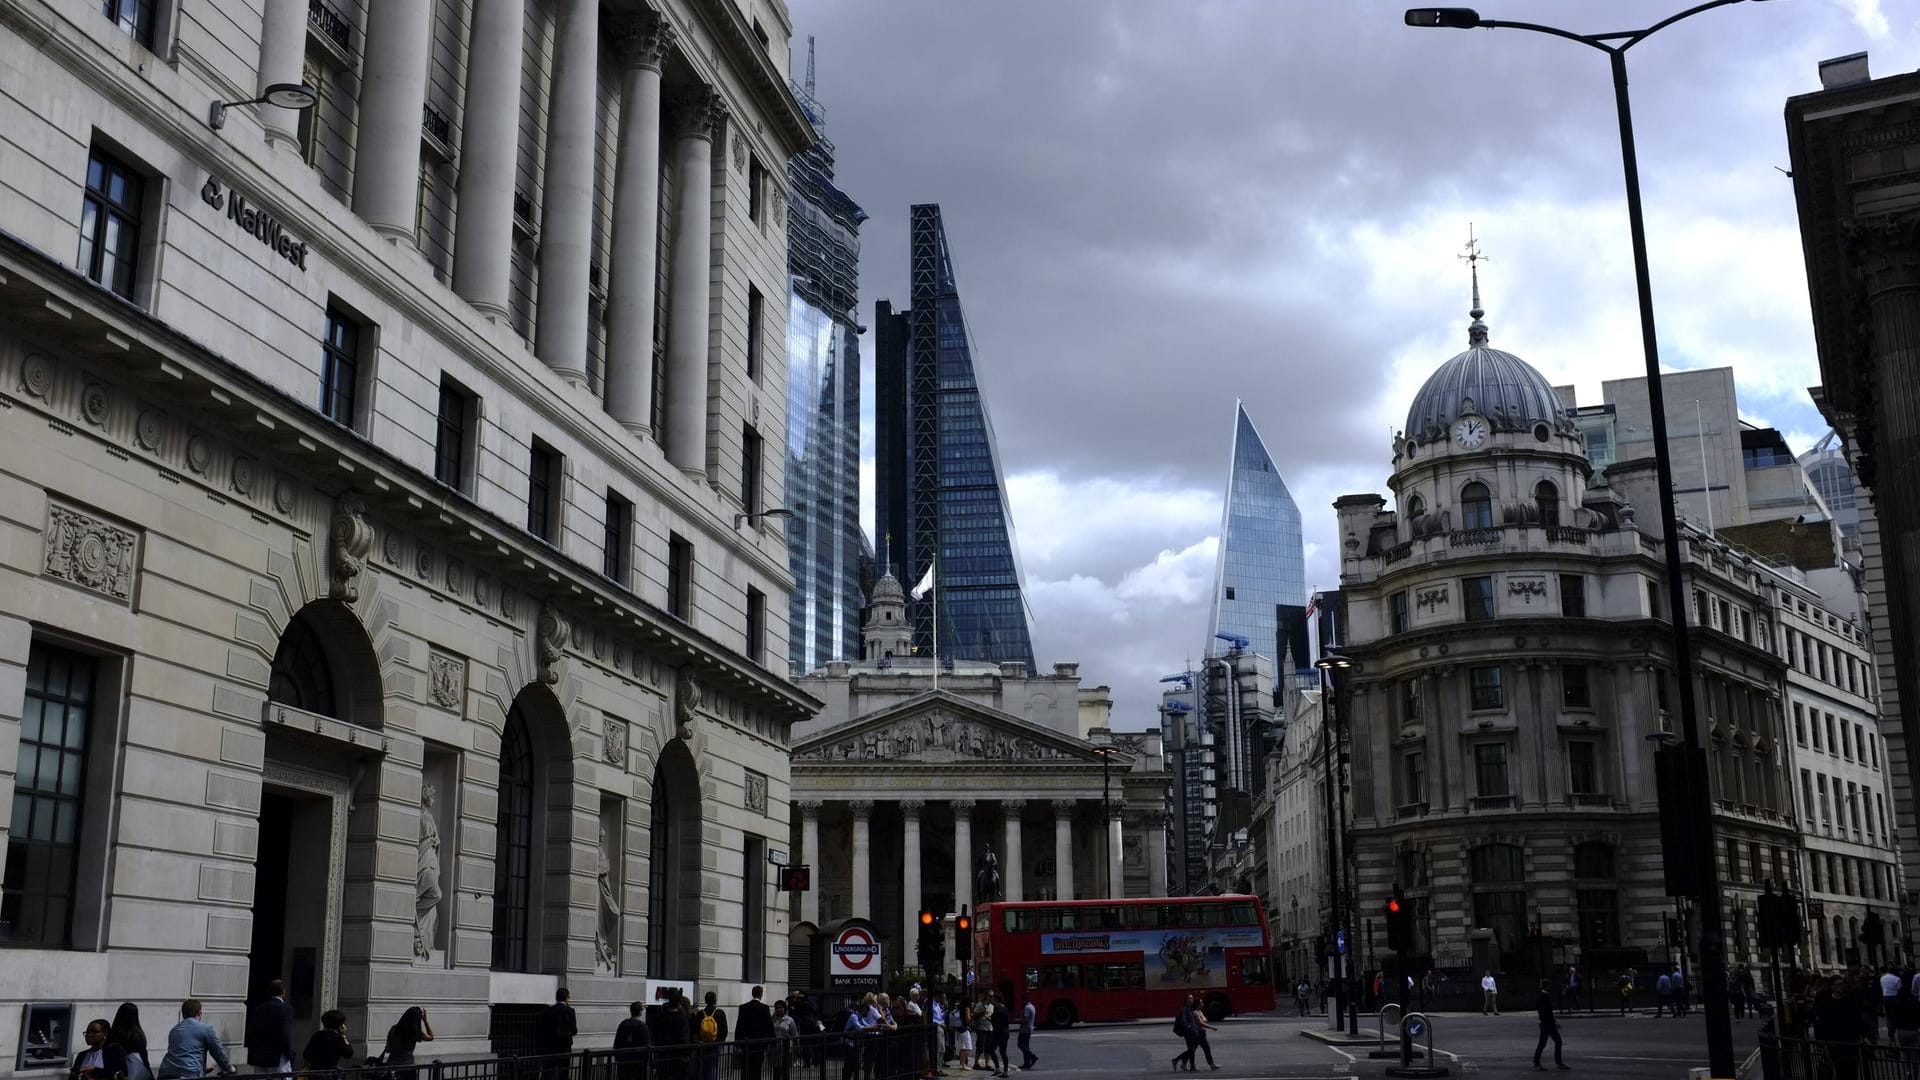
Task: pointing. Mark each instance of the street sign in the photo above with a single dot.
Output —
(853, 959)
(1416, 1027)
(969, 976)
(776, 857)
(1340, 941)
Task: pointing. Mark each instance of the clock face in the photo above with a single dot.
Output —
(1470, 432)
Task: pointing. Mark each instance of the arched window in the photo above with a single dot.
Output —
(1593, 859)
(301, 676)
(1499, 893)
(1476, 506)
(513, 847)
(1497, 864)
(1416, 506)
(1547, 498)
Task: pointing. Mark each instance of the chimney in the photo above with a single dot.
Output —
(1844, 71)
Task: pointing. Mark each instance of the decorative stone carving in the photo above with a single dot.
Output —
(938, 736)
(36, 375)
(94, 401)
(1431, 598)
(347, 547)
(756, 792)
(613, 749)
(641, 40)
(91, 553)
(860, 809)
(244, 471)
(1527, 589)
(553, 634)
(456, 577)
(426, 892)
(482, 590)
(423, 562)
(686, 702)
(702, 113)
(199, 453)
(779, 208)
(447, 680)
(606, 933)
(283, 492)
(147, 428)
(739, 152)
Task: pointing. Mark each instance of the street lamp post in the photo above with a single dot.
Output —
(1713, 974)
(1339, 885)
(1102, 739)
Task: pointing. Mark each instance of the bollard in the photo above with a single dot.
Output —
(1383, 1023)
(1412, 1026)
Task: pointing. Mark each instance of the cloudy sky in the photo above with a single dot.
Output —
(1157, 206)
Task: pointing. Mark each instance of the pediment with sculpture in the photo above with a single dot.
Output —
(942, 731)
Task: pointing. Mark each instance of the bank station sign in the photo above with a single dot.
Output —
(256, 220)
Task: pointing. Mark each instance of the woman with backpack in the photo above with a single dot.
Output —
(710, 1030)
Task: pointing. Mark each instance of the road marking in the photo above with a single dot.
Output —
(1670, 1060)
(1350, 1058)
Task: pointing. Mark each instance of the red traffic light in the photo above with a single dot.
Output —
(926, 918)
(963, 922)
(1393, 905)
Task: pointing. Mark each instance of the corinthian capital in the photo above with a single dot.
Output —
(641, 40)
(701, 113)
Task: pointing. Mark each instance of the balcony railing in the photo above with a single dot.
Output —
(1493, 802)
(331, 24)
(1473, 538)
(1590, 799)
(436, 123)
(1410, 810)
(1566, 534)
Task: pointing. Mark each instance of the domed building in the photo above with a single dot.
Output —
(1512, 680)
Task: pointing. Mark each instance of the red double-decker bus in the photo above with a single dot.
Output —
(1127, 959)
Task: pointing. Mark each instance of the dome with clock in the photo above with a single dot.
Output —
(1485, 382)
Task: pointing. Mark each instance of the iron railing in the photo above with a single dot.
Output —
(331, 24)
(1813, 1059)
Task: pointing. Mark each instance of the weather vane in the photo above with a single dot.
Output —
(1477, 330)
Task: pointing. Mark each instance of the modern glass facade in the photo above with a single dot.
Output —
(940, 487)
(823, 408)
(1260, 580)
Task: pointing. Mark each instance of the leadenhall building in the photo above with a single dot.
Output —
(386, 593)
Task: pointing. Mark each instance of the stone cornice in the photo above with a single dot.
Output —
(771, 92)
(56, 302)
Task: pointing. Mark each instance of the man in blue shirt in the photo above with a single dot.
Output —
(189, 1044)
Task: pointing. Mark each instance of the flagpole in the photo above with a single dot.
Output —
(934, 584)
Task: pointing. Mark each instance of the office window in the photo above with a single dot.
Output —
(1476, 506)
(1410, 700)
(1859, 743)
(110, 223)
(1806, 795)
(679, 577)
(1653, 600)
(339, 367)
(756, 190)
(616, 541)
(1484, 683)
(1846, 741)
(1546, 499)
(450, 436)
(1573, 596)
(1413, 771)
(1476, 594)
(753, 924)
(756, 625)
(1397, 612)
(1833, 744)
(750, 453)
(1756, 870)
(1490, 769)
(44, 852)
(1229, 592)
(1583, 770)
(1733, 859)
(543, 487)
(1574, 691)
(756, 305)
(136, 18)
(1799, 724)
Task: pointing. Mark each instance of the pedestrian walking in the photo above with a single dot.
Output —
(1301, 993)
(785, 1030)
(962, 1024)
(1198, 1026)
(755, 1029)
(1549, 1029)
(328, 1048)
(1183, 1027)
(1679, 991)
(1903, 1019)
(983, 1034)
(1028, 1059)
(1626, 992)
(269, 1037)
(633, 1043)
(128, 1036)
(189, 1044)
(710, 1030)
(1002, 1028)
(1663, 1001)
(409, 1031)
(553, 1035)
(1489, 995)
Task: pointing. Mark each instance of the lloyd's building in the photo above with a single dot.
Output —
(387, 599)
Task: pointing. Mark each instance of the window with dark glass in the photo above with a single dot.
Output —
(513, 847)
(1476, 506)
(450, 436)
(756, 625)
(1593, 859)
(1398, 609)
(135, 17)
(339, 367)
(543, 476)
(1490, 770)
(1484, 687)
(1410, 700)
(755, 314)
(1573, 596)
(679, 576)
(1574, 691)
(1583, 768)
(38, 889)
(1476, 594)
(110, 223)
(1413, 768)
(1599, 918)
(750, 455)
(756, 189)
(617, 539)
(1546, 499)
(753, 929)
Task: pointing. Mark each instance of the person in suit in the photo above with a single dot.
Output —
(633, 1043)
(754, 1027)
(102, 1059)
(553, 1033)
(1549, 1028)
(269, 1038)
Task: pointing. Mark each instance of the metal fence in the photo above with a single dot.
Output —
(1811, 1059)
(900, 1055)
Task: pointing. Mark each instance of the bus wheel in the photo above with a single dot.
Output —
(1217, 1007)
(1062, 1015)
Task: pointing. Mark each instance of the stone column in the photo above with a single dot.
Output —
(1063, 849)
(1116, 867)
(489, 158)
(566, 212)
(283, 54)
(859, 869)
(691, 283)
(1157, 856)
(910, 872)
(1011, 869)
(962, 853)
(810, 853)
(393, 90)
(643, 42)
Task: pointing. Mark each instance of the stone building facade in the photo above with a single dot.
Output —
(385, 604)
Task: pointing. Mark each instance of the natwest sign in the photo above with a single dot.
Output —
(259, 221)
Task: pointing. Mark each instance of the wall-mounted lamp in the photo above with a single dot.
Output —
(296, 96)
(776, 512)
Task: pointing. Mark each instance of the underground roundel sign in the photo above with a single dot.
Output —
(854, 957)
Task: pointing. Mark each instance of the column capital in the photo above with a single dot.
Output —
(962, 807)
(861, 809)
(1064, 806)
(1012, 807)
(912, 806)
(701, 113)
(809, 807)
(1116, 809)
(641, 40)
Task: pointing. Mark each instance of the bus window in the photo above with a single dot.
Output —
(1119, 977)
(1109, 918)
(1095, 976)
(1033, 978)
(1216, 914)
(1146, 917)
(1253, 970)
(1137, 976)
(1017, 920)
(1047, 920)
(1242, 914)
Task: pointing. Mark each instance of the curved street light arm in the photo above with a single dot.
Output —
(1636, 37)
(1591, 40)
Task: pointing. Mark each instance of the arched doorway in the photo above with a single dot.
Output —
(532, 836)
(673, 867)
(324, 665)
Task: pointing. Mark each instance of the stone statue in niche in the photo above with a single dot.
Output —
(607, 928)
(426, 894)
(986, 879)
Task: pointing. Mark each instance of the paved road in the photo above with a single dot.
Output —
(1606, 1047)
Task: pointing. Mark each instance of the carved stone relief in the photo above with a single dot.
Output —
(553, 635)
(94, 402)
(614, 744)
(36, 375)
(348, 545)
(1430, 598)
(937, 736)
(91, 553)
(447, 680)
(1528, 589)
(756, 792)
(686, 702)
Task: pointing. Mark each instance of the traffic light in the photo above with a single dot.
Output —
(1399, 917)
(963, 935)
(930, 950)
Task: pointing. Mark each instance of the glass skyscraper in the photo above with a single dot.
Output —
(823, 406)
(1260, 579)
(939, 485)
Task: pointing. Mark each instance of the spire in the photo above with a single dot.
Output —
(1476, 330)
(809, 65)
